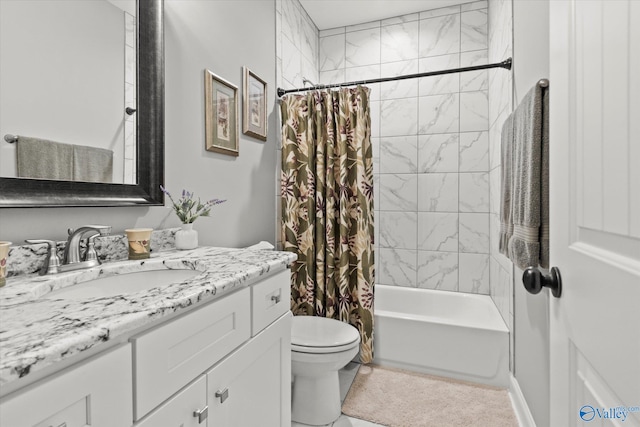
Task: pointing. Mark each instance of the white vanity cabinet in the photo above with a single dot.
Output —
(229, 362)
(223, 363)
(95, 392)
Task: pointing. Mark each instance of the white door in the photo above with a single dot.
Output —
(595, 212)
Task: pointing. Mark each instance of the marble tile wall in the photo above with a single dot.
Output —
(431, 142)
(297, 40)
(500, 106)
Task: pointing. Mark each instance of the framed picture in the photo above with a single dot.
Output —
(254, 105)
(221, 115)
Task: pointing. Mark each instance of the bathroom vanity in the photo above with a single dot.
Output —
(209, 350)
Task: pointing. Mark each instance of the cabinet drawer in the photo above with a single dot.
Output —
(96, 392)
(270, 299)
(172, 355)
(179, 410)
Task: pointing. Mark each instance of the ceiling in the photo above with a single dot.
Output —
(341, 13)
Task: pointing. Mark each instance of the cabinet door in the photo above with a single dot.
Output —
(174, 354)
(96, 392)
(179, 410)
(252, 386)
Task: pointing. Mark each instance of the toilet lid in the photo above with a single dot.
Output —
(311, 334)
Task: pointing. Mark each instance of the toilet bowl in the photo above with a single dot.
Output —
(320, 347)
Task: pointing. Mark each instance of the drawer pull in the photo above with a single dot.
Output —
(202, 414)
(223, 395)
(275, 298)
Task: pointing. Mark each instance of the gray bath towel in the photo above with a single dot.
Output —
(43, 159)
(529, 243)
(92, 164)
(506, 160)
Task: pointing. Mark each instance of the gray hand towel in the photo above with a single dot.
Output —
(43, 159)
(528, 246)
(92, 164)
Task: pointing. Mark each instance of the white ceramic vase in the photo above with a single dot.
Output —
(187, 237)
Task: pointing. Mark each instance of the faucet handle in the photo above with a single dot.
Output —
(91, 254)
(52, 262)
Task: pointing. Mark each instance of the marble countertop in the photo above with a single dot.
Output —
(36, 332)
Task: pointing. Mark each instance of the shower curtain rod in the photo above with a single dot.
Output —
(504, 64)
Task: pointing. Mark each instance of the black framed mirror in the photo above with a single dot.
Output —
(21, 192)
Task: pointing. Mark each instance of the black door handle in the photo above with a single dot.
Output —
(534, 280)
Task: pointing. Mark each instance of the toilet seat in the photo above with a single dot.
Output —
(311, 334)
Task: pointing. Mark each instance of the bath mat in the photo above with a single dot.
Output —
(398, 398)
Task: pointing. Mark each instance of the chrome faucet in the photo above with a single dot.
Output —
(72, 259)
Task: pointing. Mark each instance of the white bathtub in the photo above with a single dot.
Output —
(448, 334)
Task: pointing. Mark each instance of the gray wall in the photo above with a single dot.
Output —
(531, 63)
(221, 36)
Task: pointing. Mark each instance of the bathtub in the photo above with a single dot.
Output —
(449, 334)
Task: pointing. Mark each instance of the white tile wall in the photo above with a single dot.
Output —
(438, 192)
(440, 35)
(399, 192)
(397, 267)
(399, 88)
(398, 229)
(474, 192)
(399, 42)
(474, 233)
(445, 83)
(474, 80)
(363, 47)
(473, 30)
(332, 52)
(474, 273)
(398, 117)
(430, 136)
(438, 152)
(474, 152)
(439, 113)
(438, 270)
(438, 231)
(398, 154)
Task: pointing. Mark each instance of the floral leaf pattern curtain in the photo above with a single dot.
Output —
(327, 206)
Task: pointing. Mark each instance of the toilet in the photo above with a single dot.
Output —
(320, 347)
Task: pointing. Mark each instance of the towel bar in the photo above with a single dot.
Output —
(11, 138)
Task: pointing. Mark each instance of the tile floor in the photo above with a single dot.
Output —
(347, 374)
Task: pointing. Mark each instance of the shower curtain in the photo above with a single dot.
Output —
(327, 206)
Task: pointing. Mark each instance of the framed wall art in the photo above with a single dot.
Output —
(221, 115)
(254, 105)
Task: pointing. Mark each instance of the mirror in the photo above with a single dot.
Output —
(149, 128)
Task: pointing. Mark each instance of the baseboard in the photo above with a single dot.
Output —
(520, 407)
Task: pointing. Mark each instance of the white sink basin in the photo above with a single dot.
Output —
(122, 284)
